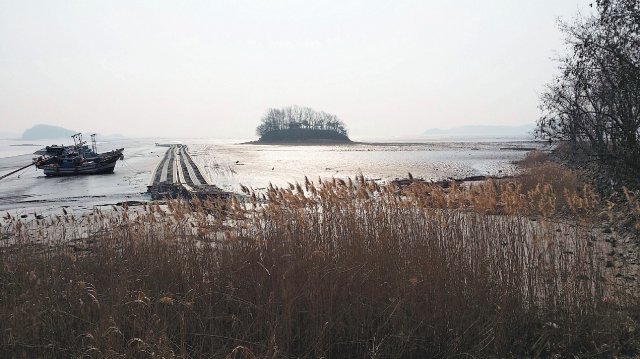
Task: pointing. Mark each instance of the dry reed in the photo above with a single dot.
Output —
(334, 269)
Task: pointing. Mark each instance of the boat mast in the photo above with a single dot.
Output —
(77, 139)
(94, 147)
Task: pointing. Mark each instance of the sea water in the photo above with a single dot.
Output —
(230, 164)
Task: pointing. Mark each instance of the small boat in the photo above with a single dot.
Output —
(78, 159)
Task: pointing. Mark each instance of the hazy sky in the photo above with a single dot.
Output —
(212, 68)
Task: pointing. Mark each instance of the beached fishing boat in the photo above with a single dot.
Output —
(78, 159)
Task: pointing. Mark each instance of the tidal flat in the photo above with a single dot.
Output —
(230, 164)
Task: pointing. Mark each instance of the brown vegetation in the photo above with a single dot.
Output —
(333, 269)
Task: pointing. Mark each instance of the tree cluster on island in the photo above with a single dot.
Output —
(295, 123)
(594, 102)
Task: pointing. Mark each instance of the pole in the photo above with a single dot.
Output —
(18, 170)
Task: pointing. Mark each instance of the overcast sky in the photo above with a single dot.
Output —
(212, 68)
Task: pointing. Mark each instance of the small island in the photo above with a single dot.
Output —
(300, 125)
(45, 132)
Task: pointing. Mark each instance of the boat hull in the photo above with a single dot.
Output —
(99, 165)
(93, 169)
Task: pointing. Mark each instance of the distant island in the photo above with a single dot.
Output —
(296, 124)
(484, 131)
(43, 132)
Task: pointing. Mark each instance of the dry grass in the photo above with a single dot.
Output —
(547, 190)
(533, 159)
(334, 269)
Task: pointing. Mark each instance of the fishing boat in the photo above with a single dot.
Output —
(79, 159)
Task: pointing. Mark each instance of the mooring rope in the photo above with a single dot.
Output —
(18, 170)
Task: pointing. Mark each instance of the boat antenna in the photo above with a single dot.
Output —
(94, 147)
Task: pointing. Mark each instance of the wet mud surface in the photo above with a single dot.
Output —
(230, 164)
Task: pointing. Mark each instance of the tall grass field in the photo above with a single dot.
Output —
(325, 269)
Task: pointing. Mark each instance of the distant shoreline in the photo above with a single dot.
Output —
(325, 142)
(310, 142)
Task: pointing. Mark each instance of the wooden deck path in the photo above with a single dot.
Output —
(178, 175)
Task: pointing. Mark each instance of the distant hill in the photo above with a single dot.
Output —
(483, 131)
(40, 132)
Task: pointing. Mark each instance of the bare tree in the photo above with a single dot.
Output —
(596, 97)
